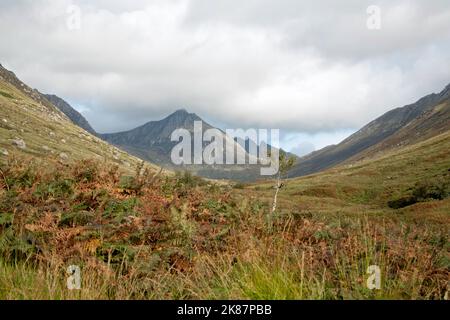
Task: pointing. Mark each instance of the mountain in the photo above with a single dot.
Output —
(423, 119)
(152, 142)
(31, 125)
(76, 117)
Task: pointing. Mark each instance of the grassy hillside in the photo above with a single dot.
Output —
(28, 126)
(427, 117)
(372, 183)
(153, 237)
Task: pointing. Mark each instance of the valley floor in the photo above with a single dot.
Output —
(154, 237)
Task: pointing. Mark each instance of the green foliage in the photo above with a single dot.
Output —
(181, 183)
(86, 171)
(437, 189)
(239, 186)
(21, 178)
(118, 210)
(187, 180)
(77, 218)
(6, 95)
(55, 189)
(128, 183)
(13, 246)
(183, 229)
(286, 163)
(143, 178)
(6, 220)
(118, 254)
(263, 282)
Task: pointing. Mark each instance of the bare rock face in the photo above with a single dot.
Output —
(19, 143)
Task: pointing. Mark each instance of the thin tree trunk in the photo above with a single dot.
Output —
(275, 198)
(274, 205)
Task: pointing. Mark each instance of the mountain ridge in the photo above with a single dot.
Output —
(375, 132)
(75, 116)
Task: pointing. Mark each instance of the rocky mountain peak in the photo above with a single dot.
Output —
(445, 94)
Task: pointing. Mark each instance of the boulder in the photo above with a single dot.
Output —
(19, 143)
(63, 156)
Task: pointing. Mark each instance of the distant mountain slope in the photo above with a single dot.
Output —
(76, 117)
(402, 126)
(152, 142)
(31, 125)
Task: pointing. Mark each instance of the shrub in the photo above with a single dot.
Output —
(128, 183)
(118, 210)
(189, 180)
(55, 189)
(86, 171)
(239, 186)
(437, 189)
(142, 179)
(80, 218)
(116, 253)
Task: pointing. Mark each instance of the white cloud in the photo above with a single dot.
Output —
(301, 67)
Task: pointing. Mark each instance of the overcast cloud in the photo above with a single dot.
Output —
(312, 69)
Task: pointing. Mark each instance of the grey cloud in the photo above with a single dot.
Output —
(304, 67)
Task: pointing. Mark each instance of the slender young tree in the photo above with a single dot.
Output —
(285, 164)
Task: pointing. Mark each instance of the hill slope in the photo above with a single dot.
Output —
(76, 117)
(402, 126)
(30, 124)
(370, 184)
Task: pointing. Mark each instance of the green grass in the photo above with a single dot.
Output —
(6, 95)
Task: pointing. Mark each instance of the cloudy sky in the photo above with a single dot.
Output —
(313, 69)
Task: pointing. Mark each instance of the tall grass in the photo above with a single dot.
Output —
(200, 241)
